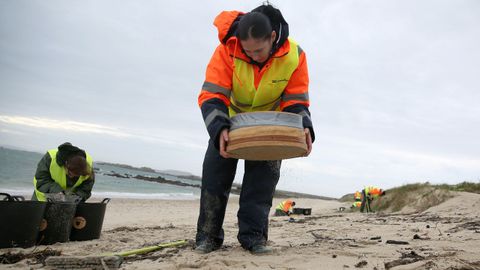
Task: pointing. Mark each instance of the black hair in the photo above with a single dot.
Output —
(254, 25)
(67, 151)
(78, 165)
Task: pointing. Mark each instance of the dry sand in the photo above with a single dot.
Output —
(446, 236)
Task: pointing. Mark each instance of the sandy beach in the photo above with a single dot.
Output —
(446, 236)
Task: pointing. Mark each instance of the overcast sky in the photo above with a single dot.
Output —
(394, 85)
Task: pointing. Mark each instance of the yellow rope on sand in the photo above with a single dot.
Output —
(148, 249)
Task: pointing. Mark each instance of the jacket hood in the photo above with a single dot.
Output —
(227, 23)
(67, 150)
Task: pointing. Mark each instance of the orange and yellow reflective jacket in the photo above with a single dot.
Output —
(357, 196)
(373, 192)
(285, 206)
(222, 69)
(234, 83)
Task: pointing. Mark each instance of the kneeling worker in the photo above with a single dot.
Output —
(284, 208)
(67, 170)
(357, 197)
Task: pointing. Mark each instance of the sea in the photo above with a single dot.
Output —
(17, 169)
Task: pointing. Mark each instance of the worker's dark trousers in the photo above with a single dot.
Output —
(258, 187)
(366, 201)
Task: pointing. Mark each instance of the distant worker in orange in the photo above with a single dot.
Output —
(357, 197)
(368, 195)
(356, 204)
(284, 208)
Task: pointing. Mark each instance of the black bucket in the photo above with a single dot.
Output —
(20, 221)
(57, 222)
(88, 221)
(298, 211)
(302, 211)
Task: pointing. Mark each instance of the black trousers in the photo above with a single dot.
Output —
(258, 187)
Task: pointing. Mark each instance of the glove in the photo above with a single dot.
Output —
(55, 197)
(73, 198)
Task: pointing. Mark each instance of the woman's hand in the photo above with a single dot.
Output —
(308, 140)
(223, 143)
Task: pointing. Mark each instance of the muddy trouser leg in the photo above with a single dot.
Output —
(364, 201)
(258, 187)
(217, 177)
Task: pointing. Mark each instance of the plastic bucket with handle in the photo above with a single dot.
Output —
(20, 221)
(88, 221)
(57, 222)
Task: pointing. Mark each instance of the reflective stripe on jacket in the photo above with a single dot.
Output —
(59, 175)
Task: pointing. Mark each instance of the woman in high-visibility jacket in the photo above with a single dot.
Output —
(66, 170)
(256, 67)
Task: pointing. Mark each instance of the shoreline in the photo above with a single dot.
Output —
(194, 181)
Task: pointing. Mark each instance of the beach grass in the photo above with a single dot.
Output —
(416, 197)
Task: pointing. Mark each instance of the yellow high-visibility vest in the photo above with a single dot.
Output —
(59, 175)
(373, 192)
(356, 204)
(246, 98)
